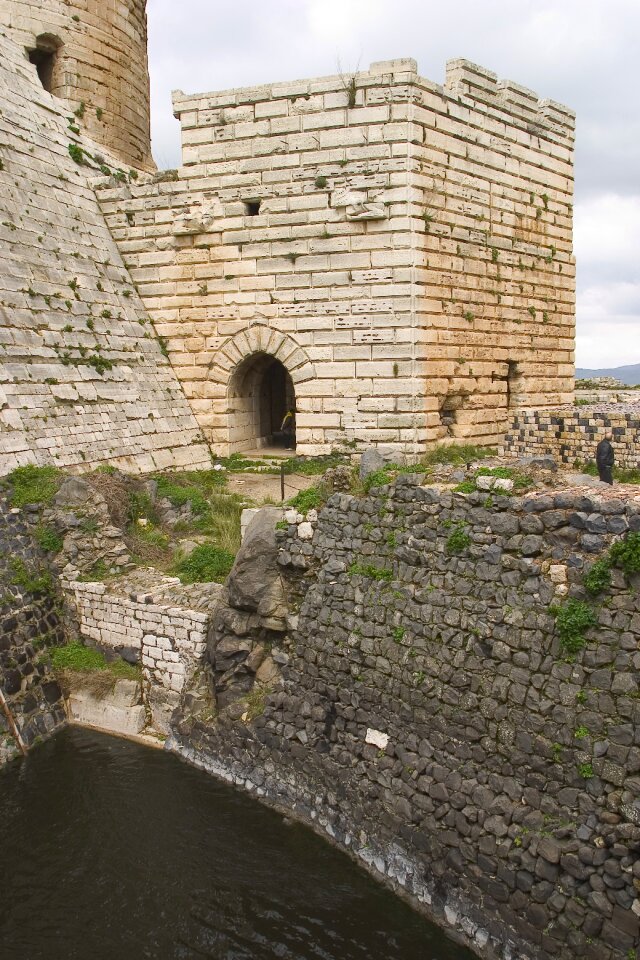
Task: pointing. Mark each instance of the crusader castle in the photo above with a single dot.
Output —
(390, 256)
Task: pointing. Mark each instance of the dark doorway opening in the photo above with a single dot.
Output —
(45, 59)
(449, 409)
(261, 396)
(513, 384)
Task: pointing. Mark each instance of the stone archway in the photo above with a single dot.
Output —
(258, 363)
(260, 394)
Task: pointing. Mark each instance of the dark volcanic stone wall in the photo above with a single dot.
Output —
(574, 434)
(29, 625)
(430, 721)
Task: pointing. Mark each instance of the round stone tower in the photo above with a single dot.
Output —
(92, 53)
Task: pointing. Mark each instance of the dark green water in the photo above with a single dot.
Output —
(112, 851)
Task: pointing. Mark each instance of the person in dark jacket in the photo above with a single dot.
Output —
(605, 458)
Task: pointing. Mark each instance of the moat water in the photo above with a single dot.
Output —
(112, 851)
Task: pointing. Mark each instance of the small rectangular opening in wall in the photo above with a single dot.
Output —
(44, 62)
(252, 207)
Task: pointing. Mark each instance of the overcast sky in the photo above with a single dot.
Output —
(585, 53)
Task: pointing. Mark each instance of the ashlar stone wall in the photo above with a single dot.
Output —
(151, 620)
(98, 66)
(404, 249)
(83, 379)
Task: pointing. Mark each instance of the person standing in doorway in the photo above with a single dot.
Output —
(605, 458)
(288, 430)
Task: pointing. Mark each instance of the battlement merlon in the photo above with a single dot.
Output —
(464, 81)
(468, 81)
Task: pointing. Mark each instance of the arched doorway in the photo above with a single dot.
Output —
(260, 394)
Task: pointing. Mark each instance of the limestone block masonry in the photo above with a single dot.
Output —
(430, 721)
(83, 379)
(402, 249)
(163, 624)
(91, 55)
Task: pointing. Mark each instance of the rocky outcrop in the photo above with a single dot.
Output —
(91, 541)
(246, 636)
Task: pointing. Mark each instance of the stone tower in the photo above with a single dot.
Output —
(391, 256)
(92, 53)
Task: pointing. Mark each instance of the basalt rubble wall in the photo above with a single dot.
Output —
(572, 434)
(31, 703)
(427, 716)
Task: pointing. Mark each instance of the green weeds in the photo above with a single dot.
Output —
(573, 619)
(33, 484)
(370, 571)
(206, 564)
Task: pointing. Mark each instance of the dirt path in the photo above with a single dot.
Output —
(261, 487)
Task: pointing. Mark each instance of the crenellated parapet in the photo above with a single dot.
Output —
(468, 81)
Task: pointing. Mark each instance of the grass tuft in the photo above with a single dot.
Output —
(31, 484)
(206, 564)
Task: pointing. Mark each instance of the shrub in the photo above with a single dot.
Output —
(379, 478)
(573, 618)
(222, 522)
(140, 506)
(458, 540)
(48, 539)
(626, 553)
(465, 453)
(599, 577)
(180, 495)
(466, 486)
(33, 484)
(31, 579)
(310, 499)
(206, 564)
(99, 364)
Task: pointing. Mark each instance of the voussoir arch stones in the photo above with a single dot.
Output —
(261, 339)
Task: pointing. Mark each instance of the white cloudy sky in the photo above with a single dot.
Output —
(585, 53)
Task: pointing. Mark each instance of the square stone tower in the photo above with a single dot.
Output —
(390, 256)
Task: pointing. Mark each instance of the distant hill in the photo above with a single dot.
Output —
(629, 374)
